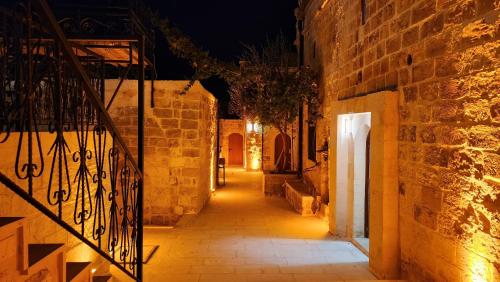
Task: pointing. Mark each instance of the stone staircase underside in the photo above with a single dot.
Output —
(23, 261)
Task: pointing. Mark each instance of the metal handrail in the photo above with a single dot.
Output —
(41, 72)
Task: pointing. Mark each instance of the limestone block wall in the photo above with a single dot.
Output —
(442, 57)
(180, 140)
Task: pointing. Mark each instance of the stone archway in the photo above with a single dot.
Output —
(347, 163)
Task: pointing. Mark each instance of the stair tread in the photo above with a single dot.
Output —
(75, 268)
(8, 220)
(102, 278)
(37, 252)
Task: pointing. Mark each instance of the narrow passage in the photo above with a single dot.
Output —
(241, 235)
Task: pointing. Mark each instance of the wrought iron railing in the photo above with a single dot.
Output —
(60, 149)
(98, 19)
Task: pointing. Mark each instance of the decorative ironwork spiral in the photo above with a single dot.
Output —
(43, 97)
(99, 227)
(83, 203)
(114, 229)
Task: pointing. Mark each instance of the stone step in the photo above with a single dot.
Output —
(5, 221)
(102, 278)
(37, 252)
(76, 269)
(13, 248)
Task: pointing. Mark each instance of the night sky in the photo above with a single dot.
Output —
(220, 27)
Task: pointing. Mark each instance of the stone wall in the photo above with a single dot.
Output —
(442, 56)
(180, 136)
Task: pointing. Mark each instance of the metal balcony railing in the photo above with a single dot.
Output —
(61, 151)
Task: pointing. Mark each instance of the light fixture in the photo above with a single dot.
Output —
(249, 126)
(253, 127)
(347, 125)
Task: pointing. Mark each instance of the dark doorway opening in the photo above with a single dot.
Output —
(283, 158)
(367, 188)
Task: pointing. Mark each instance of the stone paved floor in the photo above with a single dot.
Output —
(243, 236)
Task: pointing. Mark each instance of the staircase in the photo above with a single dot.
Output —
(61, 153)
(24, 261)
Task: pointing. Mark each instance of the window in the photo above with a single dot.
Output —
(311, 142)
(363, 11)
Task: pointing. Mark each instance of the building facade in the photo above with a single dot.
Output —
(410, 115)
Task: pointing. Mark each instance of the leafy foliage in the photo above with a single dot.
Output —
(183, 47)
(270, 89)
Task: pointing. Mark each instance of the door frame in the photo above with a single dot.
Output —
(229, 161)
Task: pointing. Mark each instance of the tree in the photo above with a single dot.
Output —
(271, 89)
(183, 47)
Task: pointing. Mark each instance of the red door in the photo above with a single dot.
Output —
(236, 149)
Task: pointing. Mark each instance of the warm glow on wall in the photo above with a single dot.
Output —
(255, 163)
(479, 269)
(347, 125)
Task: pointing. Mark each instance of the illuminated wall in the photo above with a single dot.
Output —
(442, 57)
(180, 143)
(253, 140)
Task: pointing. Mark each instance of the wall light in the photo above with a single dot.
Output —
(253, 127)
(249, 126)
(347, 126)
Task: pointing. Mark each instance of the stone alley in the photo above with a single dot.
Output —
(244, 236)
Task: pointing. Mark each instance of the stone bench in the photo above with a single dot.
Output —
(297, 194)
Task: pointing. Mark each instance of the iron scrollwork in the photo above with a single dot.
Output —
(46, 112)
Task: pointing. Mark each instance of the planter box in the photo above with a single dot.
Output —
(273, 183)
(298, 196)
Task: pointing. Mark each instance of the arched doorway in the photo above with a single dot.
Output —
(235, 149)
(283, 161)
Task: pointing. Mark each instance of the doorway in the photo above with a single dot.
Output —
(351, 153)
(361, 226)
(283, 159)
(354, 176)
(235, 149)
